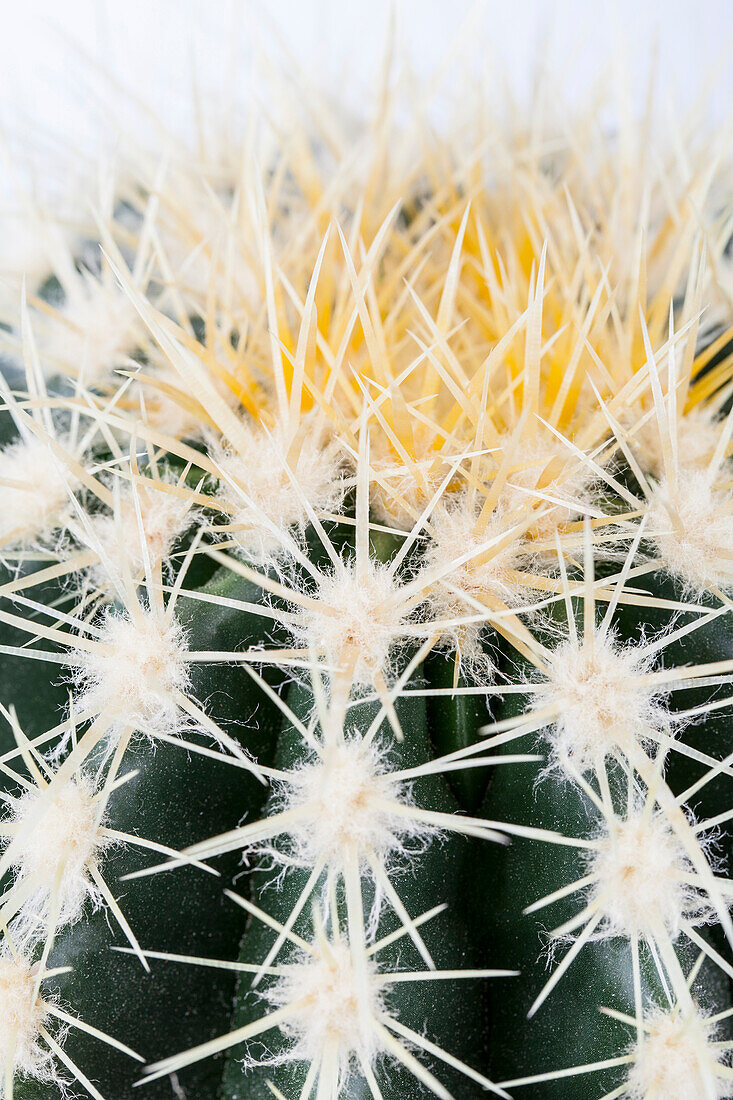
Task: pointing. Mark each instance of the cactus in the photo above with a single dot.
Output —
(366, 525)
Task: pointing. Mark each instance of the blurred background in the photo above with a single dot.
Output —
(74, 75)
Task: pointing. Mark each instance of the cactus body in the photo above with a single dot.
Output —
(365, 630)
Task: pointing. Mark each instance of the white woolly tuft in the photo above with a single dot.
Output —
(22, 1014)
(94, 333)
(678, 1061)
(359, 618)
(399, 492)
(335, 1006)
(166, 407)
(603, 705)
(543, 465)
(696, 432)
(132, 676)
(640, 865)
(34, 493)
(56, 840)
(489, 574)
(165, 518)
(265, 497)
(344, 794)
(692, 529)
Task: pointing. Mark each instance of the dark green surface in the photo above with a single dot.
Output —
(454, 722)
(711, 734)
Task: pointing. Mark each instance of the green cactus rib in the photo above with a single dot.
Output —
(525, 874)
(451, 1013)
(173, 793)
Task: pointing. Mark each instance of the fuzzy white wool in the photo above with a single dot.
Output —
(57, 839)
(168, 408)
(603, 707)
(265, 499)
(334, 1003)
(34, 493)
(697, 434)
(359, 618)
(165, 517)
(677, 1061)
(343, 793)
(489, 574)
(399, 492)
(97, 329)
(133, 673)
(545, 467)
(692, 529)
(639, 863)
(21, 1016)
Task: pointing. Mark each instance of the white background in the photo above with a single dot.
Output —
(49, 47)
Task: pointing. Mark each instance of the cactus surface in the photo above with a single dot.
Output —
(366, 557)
